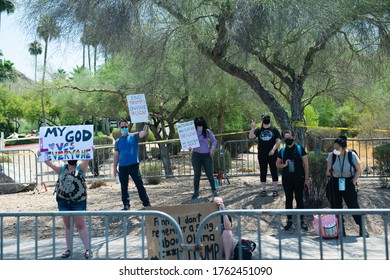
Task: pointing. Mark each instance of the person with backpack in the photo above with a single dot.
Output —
(203, 156)
(71, 195)
(293, 161)
(269, 141)
(343, 171)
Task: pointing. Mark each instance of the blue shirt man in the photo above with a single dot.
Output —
(126, 156)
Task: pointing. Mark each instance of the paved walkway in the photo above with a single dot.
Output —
(353, 248)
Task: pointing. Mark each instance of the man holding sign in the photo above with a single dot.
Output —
(126, 156)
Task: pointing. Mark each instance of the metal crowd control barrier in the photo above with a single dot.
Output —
(365, 149)
(18, 170)
(46, 241)
(297, 244)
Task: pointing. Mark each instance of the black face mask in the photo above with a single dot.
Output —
(266, 121)
(288, 141)
(72, 162)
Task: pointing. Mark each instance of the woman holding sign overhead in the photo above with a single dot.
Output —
(203, 155)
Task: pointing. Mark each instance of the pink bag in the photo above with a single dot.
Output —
(329, 225)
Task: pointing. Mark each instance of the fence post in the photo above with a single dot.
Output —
(2, 143)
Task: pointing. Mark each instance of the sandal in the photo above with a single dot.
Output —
(275, 193)
(66, 254)
(263, 194)
(88, 254)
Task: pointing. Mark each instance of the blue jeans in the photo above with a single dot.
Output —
(67, 205)
(134, 172)
(199, 160)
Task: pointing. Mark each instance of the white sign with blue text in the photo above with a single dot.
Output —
(188, 136)
(66, 142)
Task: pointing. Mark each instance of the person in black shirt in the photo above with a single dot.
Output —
(295, 174)
(269, 141)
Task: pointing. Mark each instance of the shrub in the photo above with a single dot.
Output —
(116, 133)
(317, 173)
(313, 139)
(174, 148)
(228, 160)
(382, 161)
(155, 152)
(153, 172)
(21, 142)
(5, 158)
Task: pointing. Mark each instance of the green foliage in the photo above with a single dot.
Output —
(155, 152)
(21, 142)
(317, 173)
(116, 133)
(311, 116)
(5, 158)
(382, 160)
(228, 160)
(153, 172)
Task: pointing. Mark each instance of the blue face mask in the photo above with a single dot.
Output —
(124, 130)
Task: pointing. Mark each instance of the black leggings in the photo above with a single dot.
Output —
(264, 161)
(293, 187)
(335, 197)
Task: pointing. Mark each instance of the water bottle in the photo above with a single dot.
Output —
(117, 178)
(216, 182)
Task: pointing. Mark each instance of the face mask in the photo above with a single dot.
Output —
(124, 130)
(288, 141)
(336, 152)
(266, 121)
(72, 162)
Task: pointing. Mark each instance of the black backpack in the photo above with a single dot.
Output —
(247, 248)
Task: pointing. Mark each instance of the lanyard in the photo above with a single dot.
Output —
(342, 166)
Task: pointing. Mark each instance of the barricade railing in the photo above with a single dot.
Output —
(298, 244)
(112, 234)
(21, 169)
(365, 150)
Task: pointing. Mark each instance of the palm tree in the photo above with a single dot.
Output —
(35, 49)
(6, 6)
(48, 30)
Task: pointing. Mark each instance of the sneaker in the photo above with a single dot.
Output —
(195, 195)
(275, 193)
(288, 225)
(263, 194)
(126, 207)
(88, 254)
(215, 193)
(304, 226)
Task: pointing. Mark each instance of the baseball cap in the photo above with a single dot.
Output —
(265, 115)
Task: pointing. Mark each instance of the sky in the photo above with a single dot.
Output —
(14, 43)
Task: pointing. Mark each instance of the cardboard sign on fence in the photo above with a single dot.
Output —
(188, 217)
(66, 142)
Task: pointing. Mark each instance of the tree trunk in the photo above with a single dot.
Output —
(297, 113)
(43, 85)
(164, 152)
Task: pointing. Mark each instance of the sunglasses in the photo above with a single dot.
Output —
(124, 126)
